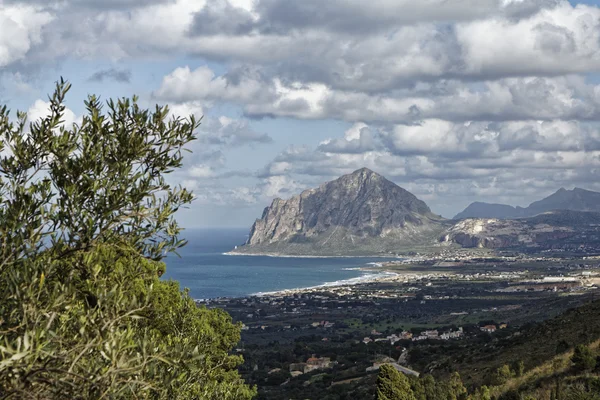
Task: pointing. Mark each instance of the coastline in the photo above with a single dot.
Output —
(278, 255)
(378, 277)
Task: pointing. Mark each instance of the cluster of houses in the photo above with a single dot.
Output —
(429, 334)
(323, 324)
(313, 363)
(492, 328)
(392, 339)
(435, 335)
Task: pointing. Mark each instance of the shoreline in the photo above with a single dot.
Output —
(277, 255)
(374, 274)
(382, 276)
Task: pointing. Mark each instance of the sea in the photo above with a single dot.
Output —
(205, 269)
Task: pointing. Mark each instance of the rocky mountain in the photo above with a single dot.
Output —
(359, 213)
(573, 200)
(363, 213)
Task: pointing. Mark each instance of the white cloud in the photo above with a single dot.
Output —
(544, 98)
(184, 85)
(490, 98)
(564, 39)
(41, 109)
(20, 29)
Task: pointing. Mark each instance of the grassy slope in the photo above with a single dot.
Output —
(534, 346)
(539, 380)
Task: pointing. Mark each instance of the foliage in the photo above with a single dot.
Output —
(583, 359)
(518, 368)
(392, 385)
(483, 393)
(582, 392)
(503, 374)
(86, 215)
(456, 389)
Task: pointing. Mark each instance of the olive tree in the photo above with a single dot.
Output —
(86, 216)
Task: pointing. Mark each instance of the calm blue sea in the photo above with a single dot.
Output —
(208, 273)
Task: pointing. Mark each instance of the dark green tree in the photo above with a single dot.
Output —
(502, 375)
(393, 385)
(583, 359)
(518, 368)
(86, 216)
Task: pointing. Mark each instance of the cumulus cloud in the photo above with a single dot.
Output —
(349, 16)
(41, 109)
(20, 29)
(357, 139)
(489, 99)
(491, 42)
(370, 46)
(220, 131)
(183, 85)
(544, 98)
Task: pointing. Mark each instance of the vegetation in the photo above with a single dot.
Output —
(86, 216)
(583, 359)
(558, 378)
(544, 382)
(392, 385)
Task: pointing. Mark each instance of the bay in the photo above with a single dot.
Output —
(208, 273)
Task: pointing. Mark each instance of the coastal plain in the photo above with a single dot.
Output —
(432, 315)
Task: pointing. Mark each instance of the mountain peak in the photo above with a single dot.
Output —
(362, 173)
(363, 170)
(363, 177)
(358, 208)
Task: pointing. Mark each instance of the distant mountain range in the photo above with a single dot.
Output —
(573, 200)
(363, 213)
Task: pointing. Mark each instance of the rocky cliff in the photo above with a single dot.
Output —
(359, 213)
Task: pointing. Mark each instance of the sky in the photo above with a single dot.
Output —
(454, 100)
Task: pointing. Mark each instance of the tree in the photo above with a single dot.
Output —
(502, 375)
(86, 216)
(457, 391)
(518, 368)
(583, 359)
(417, 385)
(483, 393)
(392, 385)
(433, 390)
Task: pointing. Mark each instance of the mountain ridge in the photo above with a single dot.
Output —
(363, 213)
(577, 199)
